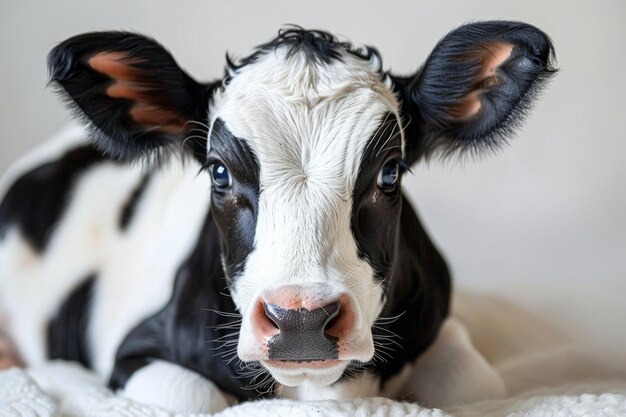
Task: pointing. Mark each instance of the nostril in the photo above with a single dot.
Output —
(265, 324)
(333, 312)
(274, 324)
(271, 314)
(342, 321)
(333, 322)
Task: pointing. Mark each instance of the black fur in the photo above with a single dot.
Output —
(451, 73)
(191, 330)
(414, 277)
(418, 297)
(163, 84)
(236, 209)
(320, 47)
(67, 335)
(376, 213)
(36, 201)
(128, 211)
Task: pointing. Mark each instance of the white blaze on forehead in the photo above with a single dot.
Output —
(308, 124)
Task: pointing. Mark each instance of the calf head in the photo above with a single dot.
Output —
(306, 142)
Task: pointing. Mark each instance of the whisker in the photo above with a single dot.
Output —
(221, 338)
(391, 136)
(390, 148)
(230, 323)
(197, 129)
(390, 319)
(388, 331)
(223, 313)
(383, 124)
(227, 352)
(196, 122)
(188, 138)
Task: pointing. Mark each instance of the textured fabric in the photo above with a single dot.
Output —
(20, 396)
(63, 389)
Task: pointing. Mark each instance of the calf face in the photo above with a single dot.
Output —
(306, 141)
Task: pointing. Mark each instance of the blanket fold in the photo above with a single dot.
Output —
(60, 389)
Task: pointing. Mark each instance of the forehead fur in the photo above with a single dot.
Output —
(307, 109)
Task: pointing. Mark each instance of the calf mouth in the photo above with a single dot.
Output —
(294, 373)
(304, 364)
(305, 334)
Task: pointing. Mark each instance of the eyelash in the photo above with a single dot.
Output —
(207, 164)
(403, 165)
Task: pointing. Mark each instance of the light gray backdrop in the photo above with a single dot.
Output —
(542, 223)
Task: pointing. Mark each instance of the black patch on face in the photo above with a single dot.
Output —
(418, 292)
(302, 334)
(128, 210)
(67, 330)
(36, 201)
(415, 277)
(192, 328)
(235, 209)
(376, 212)
(319, 47)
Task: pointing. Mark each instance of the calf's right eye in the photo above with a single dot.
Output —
(220, 176)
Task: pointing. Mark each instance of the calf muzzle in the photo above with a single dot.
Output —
(303, 333)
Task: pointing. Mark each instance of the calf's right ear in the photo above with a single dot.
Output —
(138, 101)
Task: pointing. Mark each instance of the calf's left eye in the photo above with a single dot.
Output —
(388, 176)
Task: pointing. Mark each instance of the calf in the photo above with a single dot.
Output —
(278, 255)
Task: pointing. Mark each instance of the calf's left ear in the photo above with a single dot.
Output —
(131, 91)
(475, 88)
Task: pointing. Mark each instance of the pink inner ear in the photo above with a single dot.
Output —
(116, 65)
(491, 57)
(168, 121)
(127, 90)
(127, 84)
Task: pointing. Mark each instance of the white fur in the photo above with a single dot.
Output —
(312, 377)
(363, 386)
(135, 269)
(52, 149)
(34, 285)
(175, 389)
(308, 125)
(137, 279)
(450, 372)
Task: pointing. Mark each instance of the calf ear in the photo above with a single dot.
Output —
(131, 90)
(475, 88)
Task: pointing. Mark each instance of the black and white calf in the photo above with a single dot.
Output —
(278, 255)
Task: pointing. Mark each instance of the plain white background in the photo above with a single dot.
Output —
(542, 223)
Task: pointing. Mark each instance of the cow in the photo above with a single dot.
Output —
(198, 244)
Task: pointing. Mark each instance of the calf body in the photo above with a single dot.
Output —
(278, 256)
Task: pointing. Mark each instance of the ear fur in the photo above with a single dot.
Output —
(130, 90)
(476, 88)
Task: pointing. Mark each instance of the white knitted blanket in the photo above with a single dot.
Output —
(63, 389)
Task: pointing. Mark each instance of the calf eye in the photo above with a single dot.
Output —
(220, 177)
(388, 176)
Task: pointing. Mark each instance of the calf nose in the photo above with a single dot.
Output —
(302, 320)
(301, 334)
